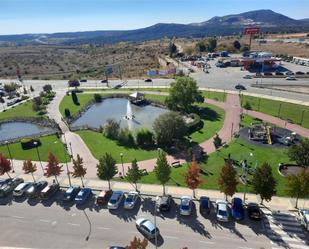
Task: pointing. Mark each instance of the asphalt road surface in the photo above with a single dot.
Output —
(33, 224)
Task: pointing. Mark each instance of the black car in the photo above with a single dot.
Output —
(268, 74)
(240, 87)
(104, 81)
(49, 191)
(204, 205)
(165, 203)
(300, 73)
(254, 212)
(8, 188)
(83, 80)
(71, 193)
(148, 80)
(307, 73)
(35, 189)
(5, 181)
(279, 73)
(117, 86)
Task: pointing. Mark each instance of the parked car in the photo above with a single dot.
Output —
(186, 204)
(5, 181)
(299, 73)
(279, 73)
(83, 195)
(307, 73)
(303, 217)
(205, 205)
(290, 78)
(34, 190)
(103, 197)
(147, 228)
(115, 200)
(21, 189)
(49, 191)
(148, 80)
(70, 193)
(117, 86)
(247, 76)
(254, 212)
(289, 73)
(240, 87)
(238, 211)
(268, 74)
(222, 210)
(115, 247)
(10, 186)
(131, 200)
(165, 203)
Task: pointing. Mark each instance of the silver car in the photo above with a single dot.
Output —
(21, 189)
(131, 200)
(115, 200)
(147, 228)
(222, 210)
(185, 207)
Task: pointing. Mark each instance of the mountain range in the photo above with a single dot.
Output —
(267, 20)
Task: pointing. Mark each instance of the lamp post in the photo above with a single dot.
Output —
(155, 221)
(121, 157)
(9, 151)
(66, 163)
(71, 150)
(37, 151)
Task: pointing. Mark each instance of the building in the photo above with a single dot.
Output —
(301, 61)
(259, 61)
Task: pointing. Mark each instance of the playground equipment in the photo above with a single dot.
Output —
(268, 135)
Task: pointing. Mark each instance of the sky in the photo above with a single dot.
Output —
(49, 16)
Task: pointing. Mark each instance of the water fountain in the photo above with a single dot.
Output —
(129, 115)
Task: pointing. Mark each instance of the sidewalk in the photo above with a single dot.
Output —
(277, 203)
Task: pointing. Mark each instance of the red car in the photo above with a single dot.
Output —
(104, 197)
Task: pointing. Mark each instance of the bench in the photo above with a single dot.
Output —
(176, 164)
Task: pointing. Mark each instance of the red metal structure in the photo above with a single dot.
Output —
(251, 31)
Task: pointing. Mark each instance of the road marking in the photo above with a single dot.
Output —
(18, 217)
(73, 224)
(74, 214)
(104, 228)
(206, 242)
(54, 223)
(170, 237)
(243, 247)
(42, 220)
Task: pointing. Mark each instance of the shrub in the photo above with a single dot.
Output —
(126, 138)
(196, 124)
(23, 97)
(28, 143)
(97, 97)
(73, 83)
(111, 129)
(75, 98)
(145, 138)
(31, 89)
(247, 106)
(47, 88)
(67, 112)
(217, 141)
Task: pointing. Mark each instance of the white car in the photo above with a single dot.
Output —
(21, 188)
(115, 200)
(147, 228)
(131, 200)
(222, 210)
(185, 206)
(290, 78)
(303, 217)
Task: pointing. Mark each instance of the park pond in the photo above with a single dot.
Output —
(14, 130)
(120, 109)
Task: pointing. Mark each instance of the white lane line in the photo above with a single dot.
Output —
(18, 217)
(170, 237)
(42, 220)
(243, 247)
(104, 228)
(206, 242)
(73, 224)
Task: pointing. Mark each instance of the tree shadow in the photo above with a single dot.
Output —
(147, 205)
(206, 113)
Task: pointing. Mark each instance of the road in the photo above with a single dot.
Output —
(33, 224)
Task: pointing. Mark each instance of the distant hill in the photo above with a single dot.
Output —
(268, 20)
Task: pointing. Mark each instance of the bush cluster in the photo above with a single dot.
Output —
(196, 124)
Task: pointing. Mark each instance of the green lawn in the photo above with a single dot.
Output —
(22, 110)
(67, 102)
(49, 144)
(239, 149)
(99, 145)
(280, 109)
(219, 96)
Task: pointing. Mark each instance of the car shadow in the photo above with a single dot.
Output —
(148, 205)
(89, 204)
(127, 214)
(33, 201)
(19, 199)
(6, 200)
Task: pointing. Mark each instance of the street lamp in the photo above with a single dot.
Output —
(66, 163)
(155, 221)
(37, 150)
(8, 148)
(71, 150)
(121, 157)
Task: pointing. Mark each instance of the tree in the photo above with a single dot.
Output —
(5, 165)
(145, 138)
(31, 89)
(52, 168)
(212, 44)
(263, 182)
(227, 180)
(107, 169)
(172, 49)
(111, 129)
(192, 177)
(47, 88)
(75, 98)
(67, 112)
(74, 83)
(137, 243)
(201, 46)
(183, 93)
(298, 185)
(300, 153)
(217, 141)
(36, 103)
(134, 174)
(97, 97)
(237, 45)
(162, 169)
(78, 168)
(29, 167)
(168, 128)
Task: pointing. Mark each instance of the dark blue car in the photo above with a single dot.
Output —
(238, 211)
(83, 195)
(71, 193)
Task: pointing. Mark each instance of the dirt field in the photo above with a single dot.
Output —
(64, 62)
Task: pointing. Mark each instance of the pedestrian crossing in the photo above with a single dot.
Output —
(284, 231)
